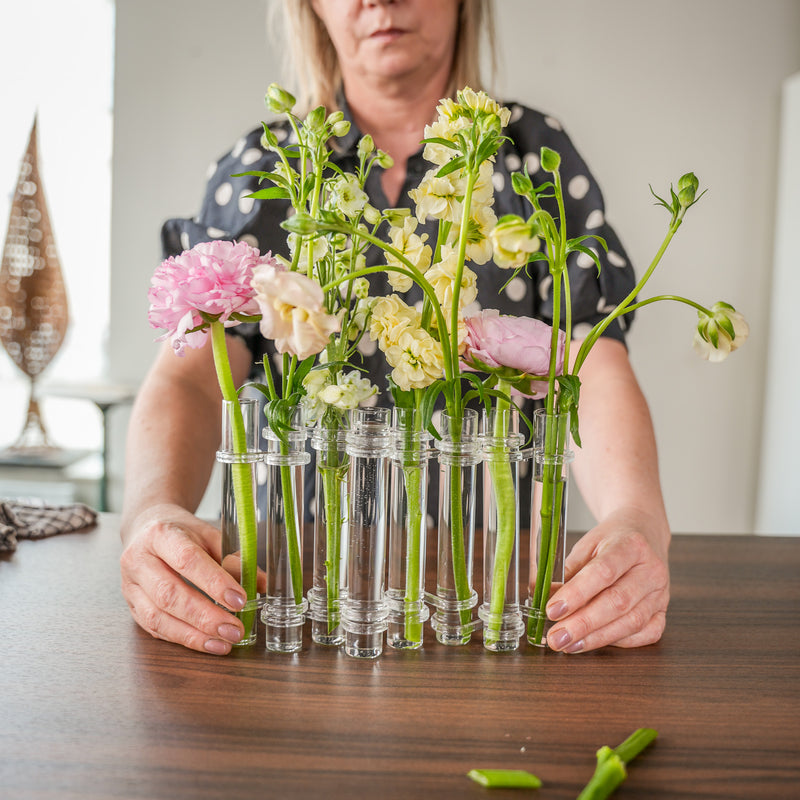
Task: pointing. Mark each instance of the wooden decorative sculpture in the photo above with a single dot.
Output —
(33, 299)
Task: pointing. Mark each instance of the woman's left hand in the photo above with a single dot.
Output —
(617, 586)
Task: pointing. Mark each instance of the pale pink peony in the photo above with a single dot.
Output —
(292, 312)
(518, 343)
(210, 281)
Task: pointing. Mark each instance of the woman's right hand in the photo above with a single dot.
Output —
(170, 562)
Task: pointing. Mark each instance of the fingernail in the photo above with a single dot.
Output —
(575, 648)
(557, 610)
(234, 600)
(217, 647)
(560, 639)
(230, 633)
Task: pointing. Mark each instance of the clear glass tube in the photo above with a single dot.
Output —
(364, 611)
(407, 530)
(241, 522)
(551, 461)
(330, 529)
(500, 610)
(459, 453)
(285, 607)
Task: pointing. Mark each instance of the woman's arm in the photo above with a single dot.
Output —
(617, 587)
(173, 433)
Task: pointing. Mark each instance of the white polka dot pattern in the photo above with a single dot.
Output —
(578, 186)
(615, 259)
(532, 162)
(516, 113)
(367, 346)
(248, 238)
(516, 289)
(185, 243)
(584, 261)
(214, 233)
(581, 330)
(595, 219)
(238, 148)
(553, 123)
(544, 286)
(251, 155)
(223, 194)
(246, 203)
(513, 162)
(498, 181)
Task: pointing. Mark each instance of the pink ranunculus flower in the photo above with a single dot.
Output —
(212, 280)
(519, 343)
(292, 311)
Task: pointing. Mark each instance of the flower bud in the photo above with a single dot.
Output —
(278, 100)
(396, 216)
(550, 160)
(365, 146)
(384, 160)
(315, 119)
(371, 214)
(341, 128)
(335, 117)
(268, 139)
(521, 184)
(719, 334)
(687, 189)
(300, 223)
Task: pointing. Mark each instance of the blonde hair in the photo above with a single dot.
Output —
(314, 66)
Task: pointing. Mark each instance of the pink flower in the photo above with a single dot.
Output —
(496, 341)
(292, 313)
(209, 282)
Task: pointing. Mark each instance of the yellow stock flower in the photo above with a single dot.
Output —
(413, 247)
(416, 359)
(438, 197)
(390, 317)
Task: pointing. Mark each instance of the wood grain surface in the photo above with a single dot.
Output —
(92, 707)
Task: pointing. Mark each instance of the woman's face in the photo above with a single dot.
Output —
(391, 39)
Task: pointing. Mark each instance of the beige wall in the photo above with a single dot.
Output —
(646, 90)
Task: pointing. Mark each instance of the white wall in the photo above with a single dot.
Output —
(647, 91)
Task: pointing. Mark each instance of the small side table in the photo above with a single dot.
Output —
(105, 396)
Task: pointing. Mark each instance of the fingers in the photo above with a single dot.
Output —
(617, 592)
(155, 568)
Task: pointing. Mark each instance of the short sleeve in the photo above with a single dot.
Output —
(593, 294)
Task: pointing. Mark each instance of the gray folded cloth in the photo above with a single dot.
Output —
(24, 521)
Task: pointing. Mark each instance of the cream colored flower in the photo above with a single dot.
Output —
(513, 241)
(712, 338)
(390, 317)
(442, 277)
(480, 101)
(348, 196)
(480, 225)
(292, 311)
(442, 128)
(483, 190)
(438, 197)
(416, 359)
(413, 247)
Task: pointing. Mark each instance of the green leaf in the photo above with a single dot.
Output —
(270, 193)
(452, 166)
(505, 778)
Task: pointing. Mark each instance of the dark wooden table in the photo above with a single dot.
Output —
(91, 707)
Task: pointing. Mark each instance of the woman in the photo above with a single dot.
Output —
(389, 63)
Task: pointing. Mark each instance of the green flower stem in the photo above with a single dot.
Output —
(331, 485)
(624, 306)
(241, 473)
(458, 554)
(412, 465)
(411, 474)
(610, 771)
(549, 520)
(290, 513)
(500, 471)
(505, 778)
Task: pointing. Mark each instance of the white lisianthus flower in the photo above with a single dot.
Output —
(416, 359)
(513, 240)
(348, 196)
(438, 197)
(713, 340)
(292, 311)
(390, 317)
(413, 247)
